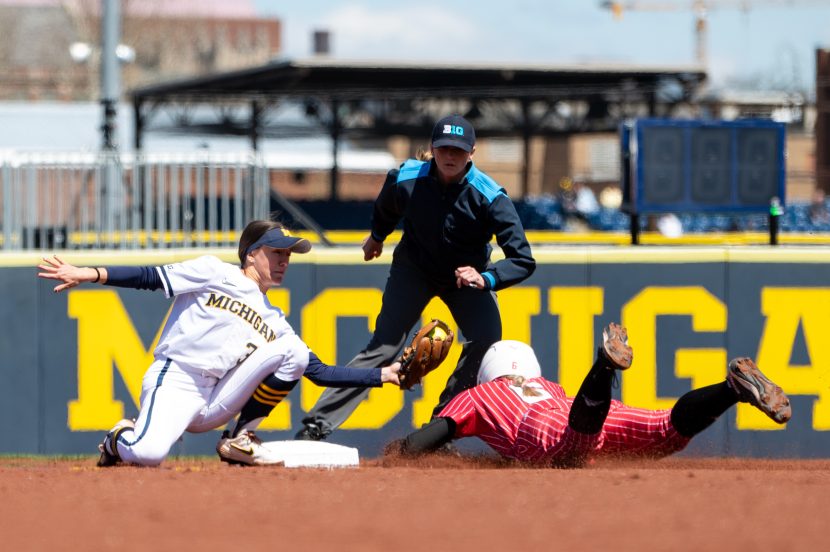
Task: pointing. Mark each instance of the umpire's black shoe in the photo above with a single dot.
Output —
(311, 432)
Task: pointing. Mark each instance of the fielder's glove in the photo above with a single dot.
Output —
(425, 353)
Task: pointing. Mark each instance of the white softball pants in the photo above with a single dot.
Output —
(175, 399)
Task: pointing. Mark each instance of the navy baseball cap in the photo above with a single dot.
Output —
(281, 238)
(455, 131)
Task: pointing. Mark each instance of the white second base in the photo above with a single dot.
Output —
(312, 454)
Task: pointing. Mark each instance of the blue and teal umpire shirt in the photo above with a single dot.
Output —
(445, 227)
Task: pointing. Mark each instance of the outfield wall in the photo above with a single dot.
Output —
(72, 363)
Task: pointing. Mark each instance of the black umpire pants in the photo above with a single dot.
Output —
(407, 293)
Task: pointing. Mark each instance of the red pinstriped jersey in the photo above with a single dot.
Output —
(535, 428)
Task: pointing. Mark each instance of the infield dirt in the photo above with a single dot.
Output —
(436, 504)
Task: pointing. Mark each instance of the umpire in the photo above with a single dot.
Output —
(450, 211)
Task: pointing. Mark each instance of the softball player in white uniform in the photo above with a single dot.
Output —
(221, 340)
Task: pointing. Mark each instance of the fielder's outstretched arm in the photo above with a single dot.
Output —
(326, 375)
(137, 277)
(272, 390)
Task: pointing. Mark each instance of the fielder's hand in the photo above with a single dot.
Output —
(71, 276)
(390, 374)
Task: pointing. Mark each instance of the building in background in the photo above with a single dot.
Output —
(822, 124)
(170, 39)
(186, 38)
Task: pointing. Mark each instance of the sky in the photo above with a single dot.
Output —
(771, 44)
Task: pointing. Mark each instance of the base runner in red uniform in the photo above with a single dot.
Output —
(528, 418)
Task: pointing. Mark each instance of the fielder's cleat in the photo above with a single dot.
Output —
(755, 388)
(615, 346)
(311, 432)
(245, 450)
(109, 452)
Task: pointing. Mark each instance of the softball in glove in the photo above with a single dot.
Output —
(425, 353)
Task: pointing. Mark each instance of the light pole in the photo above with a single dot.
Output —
(110, 70)
(108, 56)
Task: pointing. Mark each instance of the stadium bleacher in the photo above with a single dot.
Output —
(545, 212)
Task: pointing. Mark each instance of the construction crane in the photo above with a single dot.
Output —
(700, 9)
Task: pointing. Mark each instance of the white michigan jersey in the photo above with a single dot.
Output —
(219, 316)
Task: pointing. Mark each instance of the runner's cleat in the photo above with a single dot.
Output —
(755, 388)
(615, 346)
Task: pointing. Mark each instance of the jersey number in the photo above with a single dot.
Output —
(251, 349)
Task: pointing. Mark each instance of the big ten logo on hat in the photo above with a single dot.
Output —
(454, 131)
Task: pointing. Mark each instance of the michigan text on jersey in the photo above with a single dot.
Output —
(244, 312)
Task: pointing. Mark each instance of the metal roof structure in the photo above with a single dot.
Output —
(366, 100)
